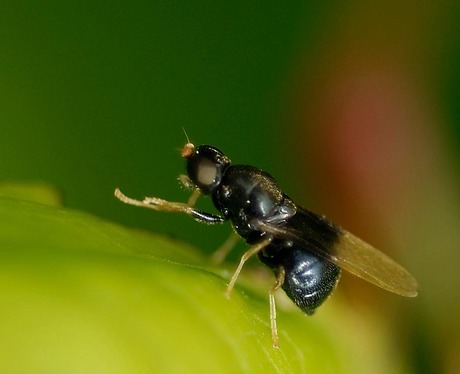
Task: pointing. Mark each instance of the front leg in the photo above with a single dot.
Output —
(168, 206)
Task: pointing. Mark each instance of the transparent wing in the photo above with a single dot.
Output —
(352, 254)
(363, 260)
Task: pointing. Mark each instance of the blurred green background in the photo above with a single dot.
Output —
(95, 95)
(353, 107)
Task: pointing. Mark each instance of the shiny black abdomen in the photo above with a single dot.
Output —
(309, 280)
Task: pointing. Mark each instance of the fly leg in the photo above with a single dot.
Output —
(168, 206)
(246, 256)
(221, 253)
(271, 296)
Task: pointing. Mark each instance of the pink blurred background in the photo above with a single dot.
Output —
(373, 123)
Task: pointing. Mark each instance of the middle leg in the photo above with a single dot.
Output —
(246, 256)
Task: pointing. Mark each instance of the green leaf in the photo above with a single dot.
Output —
(83, 295)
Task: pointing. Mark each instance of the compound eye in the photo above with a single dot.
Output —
(206, 172)
(205, 167)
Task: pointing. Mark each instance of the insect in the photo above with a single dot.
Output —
(305, 251)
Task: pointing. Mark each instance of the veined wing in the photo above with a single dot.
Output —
(346, 250)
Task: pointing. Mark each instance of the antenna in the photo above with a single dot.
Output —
(185, 133)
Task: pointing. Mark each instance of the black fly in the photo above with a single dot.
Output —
(305, 251)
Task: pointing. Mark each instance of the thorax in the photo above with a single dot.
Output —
(246, 196)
